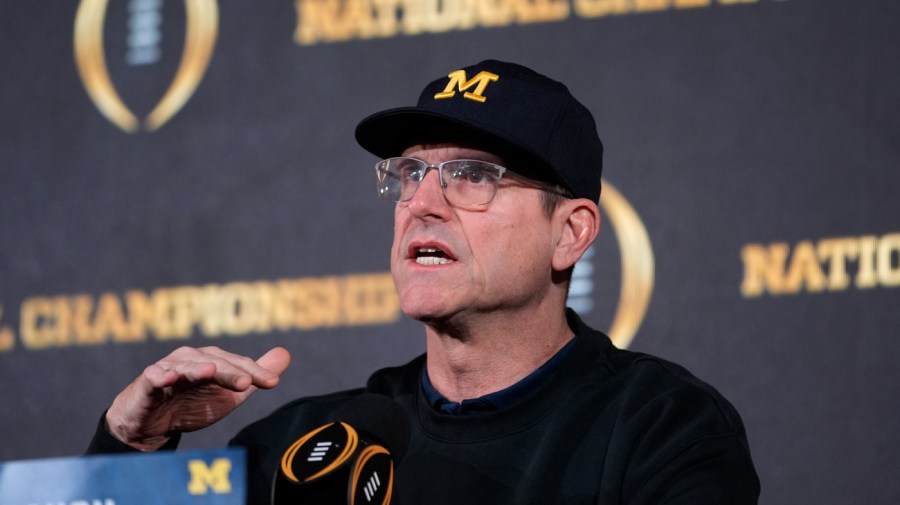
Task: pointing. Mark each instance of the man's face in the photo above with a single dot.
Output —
(449, 261)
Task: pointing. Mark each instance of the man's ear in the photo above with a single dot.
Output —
(579, 221)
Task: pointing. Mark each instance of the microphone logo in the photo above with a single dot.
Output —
(374, 461)
(349, 462)
(318, 465)
(322, 451)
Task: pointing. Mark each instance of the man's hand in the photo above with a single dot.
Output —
(188, 390)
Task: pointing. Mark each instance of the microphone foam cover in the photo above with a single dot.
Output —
(379, 416)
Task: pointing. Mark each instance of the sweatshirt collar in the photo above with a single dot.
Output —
(498, 399)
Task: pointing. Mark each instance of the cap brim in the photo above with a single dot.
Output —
(388, 133)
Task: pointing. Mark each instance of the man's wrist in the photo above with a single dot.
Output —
(104, 442)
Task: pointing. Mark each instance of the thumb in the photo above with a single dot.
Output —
(275, 361)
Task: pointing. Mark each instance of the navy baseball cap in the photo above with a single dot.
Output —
(530, 120)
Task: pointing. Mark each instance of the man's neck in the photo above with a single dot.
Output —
(470, 362)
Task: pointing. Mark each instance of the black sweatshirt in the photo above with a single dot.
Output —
(608, 427)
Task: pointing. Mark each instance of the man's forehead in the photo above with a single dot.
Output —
(438, 152)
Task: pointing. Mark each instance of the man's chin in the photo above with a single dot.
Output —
(425, 310)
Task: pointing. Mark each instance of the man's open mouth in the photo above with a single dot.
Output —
(432, 256)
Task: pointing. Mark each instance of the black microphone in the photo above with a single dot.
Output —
(349, 460)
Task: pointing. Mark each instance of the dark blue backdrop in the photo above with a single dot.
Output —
(757, 141)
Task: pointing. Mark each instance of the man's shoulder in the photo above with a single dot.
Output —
(638, 383)
(650, 390)
(653, 370)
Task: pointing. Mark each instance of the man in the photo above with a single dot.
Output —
(495, 175)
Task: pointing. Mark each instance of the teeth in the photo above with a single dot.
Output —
(432, 260)
(431, 256)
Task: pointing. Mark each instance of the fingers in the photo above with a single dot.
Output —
(186, 386)
(276, 361)
(214, 365)
(167, 372)
(245, 372)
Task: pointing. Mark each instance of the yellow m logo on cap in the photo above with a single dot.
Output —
(458, 81)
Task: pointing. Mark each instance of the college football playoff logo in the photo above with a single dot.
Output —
(590, 282)
(637, 261)
(202, 26)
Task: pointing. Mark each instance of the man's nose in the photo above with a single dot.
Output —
(429, 198)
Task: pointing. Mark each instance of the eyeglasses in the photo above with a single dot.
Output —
(464, 182)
